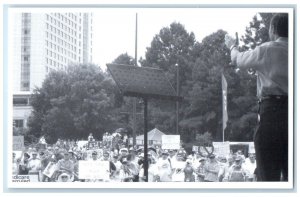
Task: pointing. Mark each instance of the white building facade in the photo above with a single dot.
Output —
(44, 42)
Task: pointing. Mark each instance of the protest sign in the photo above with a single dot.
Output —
(170, 141)
(195, 148)
(18, 143)
(94, 170)
(82, 143)
(50, 169)
(205, 150)
(221, 148)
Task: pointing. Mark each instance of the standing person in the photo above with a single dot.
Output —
(201, 170)
(236, 172)
(23, 167)
(270, 60)
(212, 168)
(164, 168)
(250, 166)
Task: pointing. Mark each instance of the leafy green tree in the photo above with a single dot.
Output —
(72, 104)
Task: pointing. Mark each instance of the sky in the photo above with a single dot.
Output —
(114, 29)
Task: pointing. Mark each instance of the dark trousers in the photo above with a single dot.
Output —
(271, 140)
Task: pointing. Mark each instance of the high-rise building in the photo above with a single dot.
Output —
(43, 42)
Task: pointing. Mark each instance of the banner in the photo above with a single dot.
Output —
(18, 143)
(50, 169)
(94, 170)
(221, 148)
(25, 178)
(224, 99)
(170, 141)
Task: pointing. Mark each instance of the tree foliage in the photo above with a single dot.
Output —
(73, 103)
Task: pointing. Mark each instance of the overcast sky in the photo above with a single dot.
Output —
(114, 29)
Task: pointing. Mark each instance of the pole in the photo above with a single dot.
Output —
(177, 103)
(134, 99)
(145, 139)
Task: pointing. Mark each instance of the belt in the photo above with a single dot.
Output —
(273, 98)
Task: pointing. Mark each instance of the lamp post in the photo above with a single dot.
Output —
(177, 103)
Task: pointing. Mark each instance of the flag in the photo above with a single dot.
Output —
(224, 103)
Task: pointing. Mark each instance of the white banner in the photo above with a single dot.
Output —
(94, 170)
(170, 141)
(221, 148)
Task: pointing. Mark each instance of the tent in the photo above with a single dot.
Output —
(154, 138)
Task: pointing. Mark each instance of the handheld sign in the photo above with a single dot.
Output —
(94, 170)
(221, 148)
(170, 141)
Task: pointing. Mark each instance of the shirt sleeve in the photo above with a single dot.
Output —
(249, 59)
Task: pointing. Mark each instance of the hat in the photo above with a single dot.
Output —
(123, 149)
(26, 155)
(201, 159)
(64, 176)
(212, 156)
(238, 158)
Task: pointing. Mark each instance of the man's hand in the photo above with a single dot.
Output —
(229, 41)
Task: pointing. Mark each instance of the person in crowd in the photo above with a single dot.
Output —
(65, 165)
(23, 167)
(90, 137)
(236, 172)
(133, 167)
(112, 167)
(200, 171)
(64, 177)
(45, 159)
(123, 153)
(223, 168)
(118, 166)
(177, 167)
(164, 168)
(250, 166)
(34, 164)
(212, 168)
(270, 62)
(189, 171)
(16, 164)
(125, 174)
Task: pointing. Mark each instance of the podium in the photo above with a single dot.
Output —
(146, 83)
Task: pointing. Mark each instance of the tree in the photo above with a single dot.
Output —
(72, 104)
(205, 110)
(170, 50)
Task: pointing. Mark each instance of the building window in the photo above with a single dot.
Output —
(18, 123)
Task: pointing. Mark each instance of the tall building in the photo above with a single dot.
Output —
(44, 42)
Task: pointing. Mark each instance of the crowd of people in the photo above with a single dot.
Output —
(126, 164)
